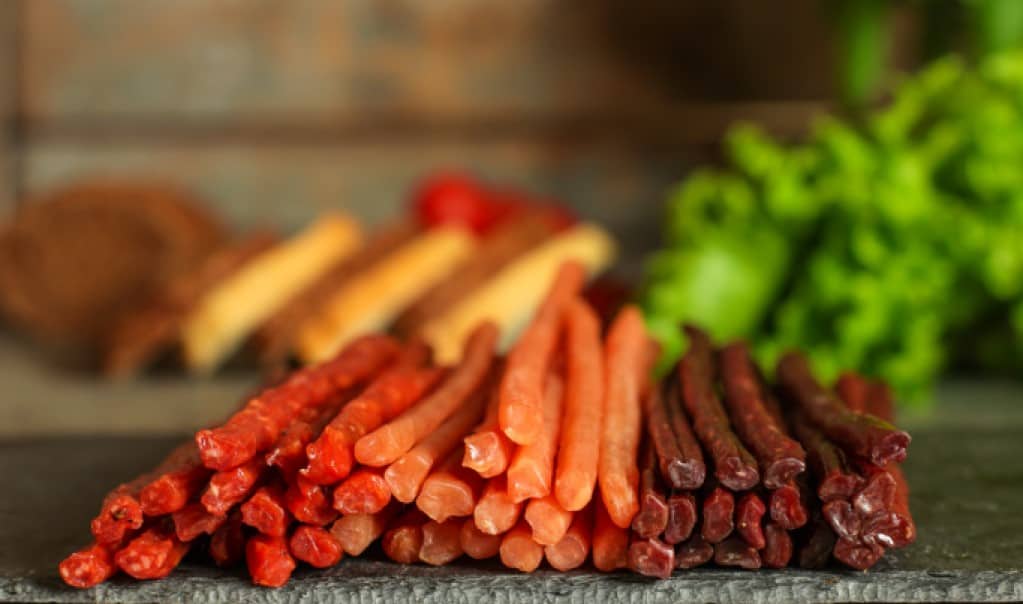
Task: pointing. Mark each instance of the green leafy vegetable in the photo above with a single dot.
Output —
(894, 246)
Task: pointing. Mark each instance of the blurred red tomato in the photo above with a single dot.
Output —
(453, 199)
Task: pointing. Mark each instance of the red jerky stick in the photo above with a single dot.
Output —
(405, 476)
(193, 520)
(309, 502)
(693, 553)
(178, 482)
(734, 551)
(652, 518)
(496, 512)
(288, 453)
(442, 542)
(610, 541)
(153, 554)
(682, 516)
(519, 551)
(583, 418)
(894, 528)
(358, 531)
(718, 514)
(522, 386)
(817, 542)
(571, 552)
(532, 468)
(788, 505)
(861, 434)
(315, 546)
(749, 511)
(627, 361)
(487, 449)
(780, 457)
(266, 511)
(229, 487)
(843, 519)
(777, 546)
(260, 422)
(269, 561)
(548, 520)
(679, 459)
(853, 389)
(404, 537)
(878, 492)
(857, 555)
(690, 474)
(88, 566)
(332, 454)
(835, 479)
(364, 492)
(387, 443)
(451, 490)
(476, 544)
(734, 466)
(651, 557)
(227, 545)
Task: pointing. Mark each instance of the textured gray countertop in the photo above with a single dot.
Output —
(965, 469)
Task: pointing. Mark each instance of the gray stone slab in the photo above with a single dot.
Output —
(965, 470)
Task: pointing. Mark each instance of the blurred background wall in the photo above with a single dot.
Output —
(274, 110)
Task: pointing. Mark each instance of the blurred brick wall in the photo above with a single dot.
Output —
(275, 110)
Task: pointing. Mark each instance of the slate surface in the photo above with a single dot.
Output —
(965, 469)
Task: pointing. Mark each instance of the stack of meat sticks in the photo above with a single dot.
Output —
(539, 455)
(723, 477)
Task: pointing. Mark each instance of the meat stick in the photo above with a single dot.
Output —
(450, 490)
(476, 544)
(548, 520)
(573, 549)
(496, 512)
(532, 468)
(519, 551)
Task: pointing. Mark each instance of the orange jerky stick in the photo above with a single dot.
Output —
(522, 386)
(288, 453)
(87, 567)
(519, 551)
(404, 537)
(476, 544)
(531, 469)
(260, 422)
(227, 545)
(610, 541)
(487, 449)
(405, 476)
(574, 547)
(364, 492)
(548, 520)
(229, 487)
(266, 511)
(153, 554)
(315, 546)
(175, 486)
(442, 542)
(193, 520)
(496, 512)
(582, 423)
(450, 490)
(387, 443)
(330, 457)
(358, 531)
(269, 561)
(627, 358)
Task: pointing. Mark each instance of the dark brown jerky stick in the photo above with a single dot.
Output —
(780, 457)
(853, 389)
(895, 528)
(748, 514)
(734, 466)
(843, 519)
(816, 542)
(682, 516)
(857, 555)
(861, 434)
(653, 509)
(651, 557)
(736, 552)
(788, 505)
(678, 452)
(777, 546)
(835, 480)
(718, 513)
(693, 553)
